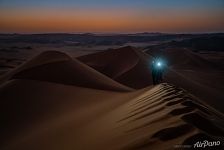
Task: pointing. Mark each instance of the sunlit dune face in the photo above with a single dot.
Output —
(108, 20)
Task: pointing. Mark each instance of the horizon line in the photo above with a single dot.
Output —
(104, 33)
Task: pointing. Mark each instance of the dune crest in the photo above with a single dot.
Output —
(126, 65)
(53, 66)
(165, 117)
(162, 117)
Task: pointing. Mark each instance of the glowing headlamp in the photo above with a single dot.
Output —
(159, 64)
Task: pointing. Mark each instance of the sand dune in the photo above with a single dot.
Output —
(199, 76)
(162, 117)
(43, 58)
(60, 68)
(56, 102)
(170, 116)
(126, 65)
(185, 69)
(27, 104)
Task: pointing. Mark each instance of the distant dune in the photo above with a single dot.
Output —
(183, 58)
(126, 65)
(60, 68)
(106, 100)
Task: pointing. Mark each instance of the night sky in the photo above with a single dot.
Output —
(175, 16)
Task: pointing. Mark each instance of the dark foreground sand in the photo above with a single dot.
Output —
(59, 103)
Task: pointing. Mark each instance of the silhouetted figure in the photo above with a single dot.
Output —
(157, 69)
(153, 70)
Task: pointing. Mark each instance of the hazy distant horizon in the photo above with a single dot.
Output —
(112, 33)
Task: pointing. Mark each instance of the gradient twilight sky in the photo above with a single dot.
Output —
(39, 16)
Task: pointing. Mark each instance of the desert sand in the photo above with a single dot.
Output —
(104, 101)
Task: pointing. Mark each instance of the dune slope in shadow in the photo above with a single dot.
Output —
(126, 65)
(58, 67)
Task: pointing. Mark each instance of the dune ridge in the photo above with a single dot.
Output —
(126, 65)
(160, 117)
(172, 117)
(58, 67)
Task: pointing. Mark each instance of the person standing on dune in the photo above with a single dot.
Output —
(153, 70)
(157, 70)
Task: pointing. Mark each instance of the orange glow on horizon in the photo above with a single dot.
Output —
(106, 21)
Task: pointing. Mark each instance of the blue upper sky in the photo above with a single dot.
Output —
(138, 4)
